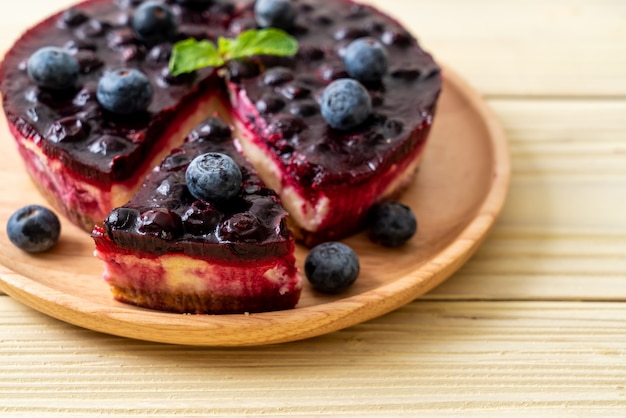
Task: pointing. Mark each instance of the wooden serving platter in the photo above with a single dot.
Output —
(457, 195)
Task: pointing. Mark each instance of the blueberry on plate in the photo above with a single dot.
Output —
(331, 267)
(154, 22)
(124, 91)
(53, 68)
(345, 104)
(275, 13)
(391, 224)
(366, 60)
(34, 228)
(213, 177)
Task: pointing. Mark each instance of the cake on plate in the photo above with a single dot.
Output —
(89, 160)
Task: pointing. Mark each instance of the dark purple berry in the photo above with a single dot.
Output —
(366, 60)
(391, 224)
(154, 22)
(213, 177)
(275, 13)
(53, 68)
(345, 104)
(34, 229)
(331, 267)
(125, 91)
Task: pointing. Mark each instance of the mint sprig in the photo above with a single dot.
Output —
(191, 54)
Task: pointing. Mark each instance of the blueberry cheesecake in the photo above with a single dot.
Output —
(202, 235)
(98, 95)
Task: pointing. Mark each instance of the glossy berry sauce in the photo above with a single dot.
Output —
(279, 105)
(163, 216)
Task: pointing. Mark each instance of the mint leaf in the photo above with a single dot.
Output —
(259, 42)
(190, 55)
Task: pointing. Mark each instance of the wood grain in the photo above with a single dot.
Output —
(457, 195)
(425, 359)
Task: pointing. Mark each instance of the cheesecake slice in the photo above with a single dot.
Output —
(169, 251)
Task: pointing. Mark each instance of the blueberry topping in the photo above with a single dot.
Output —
(68, 129)
(275, 13)
(201, 218)
(88, 61)
(269, 103)
(345, 104)
(53, 68)
(122, 218)
(331, 267)
(286, 125)
(366, 60)
(161, 223)
(244, 227)
(154, 22)
(212, 129)
(240, 69)
(304, 108)
(124, 91)
(277, 75)
(34, 229)
(391, 224)
(107, 145)
(73, 17)
(213, 177)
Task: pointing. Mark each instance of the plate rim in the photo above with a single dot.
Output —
(310, 321)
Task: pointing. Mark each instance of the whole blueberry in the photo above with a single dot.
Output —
(345, 104)
(391, 223)
(53, 68)
(124, 91)
(275, 13)
(331, 267)
(366, 60)
(34, 228)
(154, 22)
(213, 177)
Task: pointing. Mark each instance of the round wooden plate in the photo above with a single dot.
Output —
(457, 194)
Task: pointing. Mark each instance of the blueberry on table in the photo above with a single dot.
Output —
(345, 104)
(53, 68)
(34, 228)
(391, 224)
(154, 22)
(213, 177)
(331, 267)
(275, 13)
(124, 91)
(366, 60)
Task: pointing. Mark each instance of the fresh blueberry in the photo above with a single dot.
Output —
(345, 104)
(124, 91)
(331, 267)
(275, 13)
(53, 68)
(154, 22)
(34, 228)
(213, 177)
(391, 224)
(366, 60)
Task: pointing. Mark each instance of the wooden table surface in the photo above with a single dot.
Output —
(534, 323)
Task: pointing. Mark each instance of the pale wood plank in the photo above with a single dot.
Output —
(426, 358)
(562, 233)
(535, 47)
